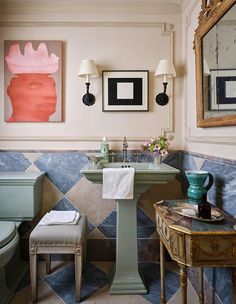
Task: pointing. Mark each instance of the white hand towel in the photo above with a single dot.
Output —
(118, 183)
(60, 218)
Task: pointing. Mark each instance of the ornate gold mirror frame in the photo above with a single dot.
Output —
(211, 12)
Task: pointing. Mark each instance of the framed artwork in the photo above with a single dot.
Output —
(223, 89)
(32, 81)
(125, 90)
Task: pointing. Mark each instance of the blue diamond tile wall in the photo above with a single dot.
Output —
(218, 281)
(64, 188)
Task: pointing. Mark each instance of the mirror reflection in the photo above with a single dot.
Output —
(219, 67)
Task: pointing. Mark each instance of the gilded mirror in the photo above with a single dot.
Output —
(215, 55)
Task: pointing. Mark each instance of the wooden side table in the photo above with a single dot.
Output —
(194, 243)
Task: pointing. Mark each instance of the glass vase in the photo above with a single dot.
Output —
(157, 159)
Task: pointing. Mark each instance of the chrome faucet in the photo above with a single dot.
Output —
(125, 146)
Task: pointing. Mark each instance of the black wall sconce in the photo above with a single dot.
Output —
(88, 70)
(166, 69)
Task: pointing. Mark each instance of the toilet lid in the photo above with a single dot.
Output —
(7, 232)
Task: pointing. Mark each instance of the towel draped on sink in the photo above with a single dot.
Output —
(118, 183)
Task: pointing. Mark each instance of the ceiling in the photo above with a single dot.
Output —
(95, 6)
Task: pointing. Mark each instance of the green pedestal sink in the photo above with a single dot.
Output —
(127, 279)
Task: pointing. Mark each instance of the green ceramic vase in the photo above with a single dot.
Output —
(197, 190)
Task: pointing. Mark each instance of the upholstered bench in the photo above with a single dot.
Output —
(58, 239)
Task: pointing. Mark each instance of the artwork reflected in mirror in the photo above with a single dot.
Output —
(215, 49)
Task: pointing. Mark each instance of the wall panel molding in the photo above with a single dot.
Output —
(167, 29)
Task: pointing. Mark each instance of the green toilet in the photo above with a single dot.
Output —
(20, 200)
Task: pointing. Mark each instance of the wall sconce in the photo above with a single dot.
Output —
(88, 70)
(165, 68)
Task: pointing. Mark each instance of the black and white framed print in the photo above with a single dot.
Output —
(125, 90)
(223, 88)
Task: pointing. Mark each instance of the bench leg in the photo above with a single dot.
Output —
(78, 271)
(33, 276)
(48, 263)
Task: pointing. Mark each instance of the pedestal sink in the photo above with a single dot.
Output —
(127, 279)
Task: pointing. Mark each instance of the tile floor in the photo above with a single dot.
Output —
(58, 287)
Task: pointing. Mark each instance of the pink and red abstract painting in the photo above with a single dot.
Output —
(33, 81)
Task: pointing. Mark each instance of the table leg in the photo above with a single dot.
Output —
(201, 286)
(234, 284)
(183, 283)
(162, 273)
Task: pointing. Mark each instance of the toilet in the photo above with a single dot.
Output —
(20, 200)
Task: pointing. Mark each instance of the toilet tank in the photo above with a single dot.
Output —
(20, 195)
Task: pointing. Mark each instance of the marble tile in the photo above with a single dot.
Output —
(88, 198)
(223, 192)
(63, 168)
(13, 161)
(104, 266)
(108, 226)
(101, 250)
(64, 205)
(148, 250)
(32, 168)
(170, 190)
(191, 296)
(45, 295)
(173, 159)
(102, 296)
(199, 162)
(50, 196)
(215, 277)
(151, 274)
(32, 157)
(96, 234)
(62, 282)
(146, 226)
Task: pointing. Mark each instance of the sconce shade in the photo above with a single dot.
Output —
(165, 67)
(88, 70)
(88, 67)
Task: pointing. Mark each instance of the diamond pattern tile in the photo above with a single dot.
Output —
(64, 204)
(63, 282)
(63, 169)
(151, 275)
(87, 197)
(13, 161)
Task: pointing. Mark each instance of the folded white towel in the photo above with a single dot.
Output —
(60, 218)
(118, 183)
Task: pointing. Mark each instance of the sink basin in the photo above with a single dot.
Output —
(127, 279)
(145, 173)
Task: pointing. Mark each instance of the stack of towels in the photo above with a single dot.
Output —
(60, 218)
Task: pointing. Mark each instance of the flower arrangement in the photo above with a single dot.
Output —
(156, 145)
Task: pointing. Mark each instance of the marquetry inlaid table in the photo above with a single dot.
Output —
(194, 243)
